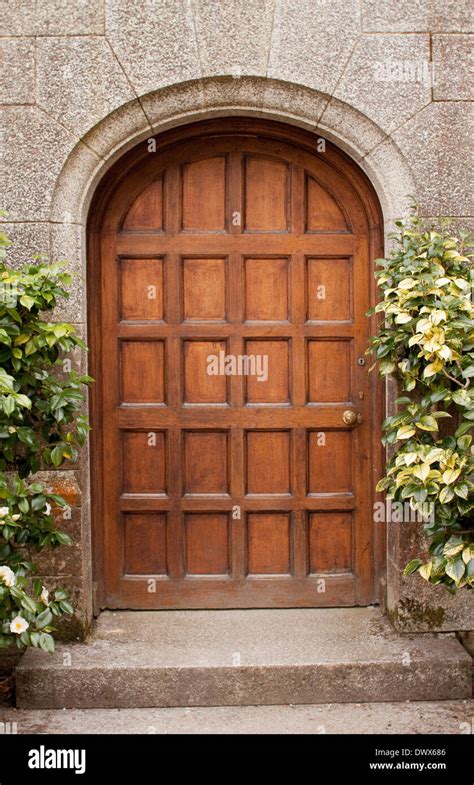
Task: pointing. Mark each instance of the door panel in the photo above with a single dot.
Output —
(234, 281)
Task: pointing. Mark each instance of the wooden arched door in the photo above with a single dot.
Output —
(230, 276)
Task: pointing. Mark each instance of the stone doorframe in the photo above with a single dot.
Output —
(409, 603)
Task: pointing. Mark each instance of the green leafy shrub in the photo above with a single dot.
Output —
(40, 427)
(426, 342)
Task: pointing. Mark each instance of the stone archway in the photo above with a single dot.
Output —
(376, 154)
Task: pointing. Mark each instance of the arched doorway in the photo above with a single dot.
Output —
(235, 428)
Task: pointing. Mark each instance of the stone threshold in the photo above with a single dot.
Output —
(152, 659)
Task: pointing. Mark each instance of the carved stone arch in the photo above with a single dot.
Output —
(111, 139)
(376, 154)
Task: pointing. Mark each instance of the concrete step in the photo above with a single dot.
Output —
(366, 718)
(244, 657)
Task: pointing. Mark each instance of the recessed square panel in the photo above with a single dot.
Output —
(144, 462)
(328, 293)
(207, 543)
(330, 542)
(204, 290)
(267, 203)
(329, 371)
(268, 543)
(330, 462)
(204, 377)
(267, 377)
(143, 371)
(206, 462)
(203, 195)
(141, 289)
(268, 462)
(145, 544)
(266, 290)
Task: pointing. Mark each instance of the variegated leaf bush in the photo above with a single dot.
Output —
(426, 341)
(40, 427)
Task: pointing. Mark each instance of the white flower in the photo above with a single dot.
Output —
(44, 596)
(47, 509)
(18, 625)
(7, 575)
(4, 511)
(16, 517)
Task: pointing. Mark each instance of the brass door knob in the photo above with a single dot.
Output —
(351, 418)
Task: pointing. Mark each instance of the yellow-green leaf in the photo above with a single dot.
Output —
(422, 471)
(403, 318)
(446, 495)
(445, 353)
(432, 369)
(407, 283)
(423, 325)
(455, 570)
(450, 476)
(453, 550)
(425, 571)
(405, 432)
(427, 423)
(434, 455)
(438, 316)
(467, 554)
